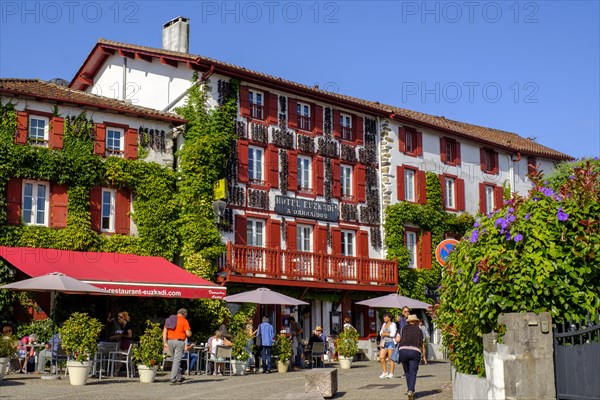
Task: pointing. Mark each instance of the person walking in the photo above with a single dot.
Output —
(387, 334)
(174, 339)
(410, 346)
(296, 332)
(266, 333)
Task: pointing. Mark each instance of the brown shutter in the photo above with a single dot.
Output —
(421, 186)
(443, 150)
(95, 207)
(56, 136)
(498, 197)
(240, 229)
(482, 204)
(531, 165)
(318, 174)
(336, 172)
(337, 127)
(362, 249)
(244, 101)
(425, 250)
(273, 109)
(400, 182)
(457, 151)
(273, 167)
(360, 184)
(357, 126)
(100, 141)
(122, 211)
(317, 117)
(496, 163)
(292, 113)
(419, 151)
(131, 144)
(291, 236)
(292, 170)
(22, 127)
(243, 160)
(460, 194)
(443, 184)
(336, 241)
(274, 234)
(14, 197)
(401, 139)
(59, 203)
(321, 241)
(482, 158)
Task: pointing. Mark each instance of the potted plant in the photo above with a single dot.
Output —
(282, 350)
(347, 347)
(8, 348)
(239, 351)
(79, 335)
(149, 352)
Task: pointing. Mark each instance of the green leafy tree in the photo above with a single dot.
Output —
(79, 336)
(149, 351)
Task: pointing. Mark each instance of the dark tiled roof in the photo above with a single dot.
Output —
(492, 137)
(39, 89)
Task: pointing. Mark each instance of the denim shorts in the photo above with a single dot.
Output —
(389, 345)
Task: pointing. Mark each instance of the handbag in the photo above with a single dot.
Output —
(396, 355)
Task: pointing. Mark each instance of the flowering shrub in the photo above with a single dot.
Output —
(536, 254)
(149, 351)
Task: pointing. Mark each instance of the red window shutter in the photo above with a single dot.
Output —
(337, 127)
(318, 174)
(482, 158)
(95, 207)
(363, 244)
(401, 139)
(336, 172)
(131, 144)
(321, 242)
(498, 197)
(482, 202)
(22, 126)
(273, 167)
(336, 241)
(100, 141)
(244, 101)
(273, 108)
(425, 250)
(421, 187)
(291, 236)
(59, 204)
(14, 193)
(317, 117)
(292, 113)
(460, 194)
(496, 163)
(400, 182)
(274, 234)
(56, 136)
(443, 150)
(122, 211)
(240, 229)
(292, 170)
(443, 184)
(360, 184)
(457, 151)
(419, 150)
(243, 161)
(357, 126)
(531, 165)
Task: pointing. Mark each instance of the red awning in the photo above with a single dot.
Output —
(120, 274)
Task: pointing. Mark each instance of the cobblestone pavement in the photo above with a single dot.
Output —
(360, 382)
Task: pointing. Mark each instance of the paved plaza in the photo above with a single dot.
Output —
(360, 382)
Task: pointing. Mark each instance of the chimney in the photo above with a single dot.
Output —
(176, 35)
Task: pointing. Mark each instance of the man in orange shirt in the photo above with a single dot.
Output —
(174, 339)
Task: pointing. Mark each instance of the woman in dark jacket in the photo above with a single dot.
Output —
(410, 347)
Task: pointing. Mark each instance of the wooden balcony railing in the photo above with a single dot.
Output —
(304, 122)
(297, 265)
(256, 111)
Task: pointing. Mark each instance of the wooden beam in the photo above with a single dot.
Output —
(144, 57)
(125, 53)
(168, 61)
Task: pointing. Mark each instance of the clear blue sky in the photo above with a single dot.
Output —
(528, 67)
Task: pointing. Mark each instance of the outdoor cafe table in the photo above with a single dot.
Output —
(202, 352)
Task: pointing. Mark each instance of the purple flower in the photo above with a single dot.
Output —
(511, 210)
(536, 199)
(507, 235)
(571, 177)
(476, 276)
(476, 224)
(561, 215)
(557, 198)
(511, 218)
(527, 216)
(547, 191)
(518, 237)
(474, 236)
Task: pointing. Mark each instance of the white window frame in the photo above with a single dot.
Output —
(303, 110)
(107, 209)
(346, 122)
(255, 232)
(304, 173)
(346, 180)
(450, 191)
(411, 246)
(409, 184)
(450, 151)
(348, 243)
(256, 158)
(257, 98)
(410, 144)
(489, 199)
(112, 150)
(37, 140)
(35, 203)
(304, 236)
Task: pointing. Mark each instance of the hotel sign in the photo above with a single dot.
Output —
(306, 208)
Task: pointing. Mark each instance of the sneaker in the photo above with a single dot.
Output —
(383, 375)
(181, 379)
(214, 373)
(410, 395)
(390, 375)
(175, 383)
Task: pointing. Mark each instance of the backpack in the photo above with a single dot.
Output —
(171, 322)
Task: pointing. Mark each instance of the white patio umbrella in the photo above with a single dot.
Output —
(263, 296)
(394, 300)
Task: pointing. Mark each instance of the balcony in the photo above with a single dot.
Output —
(259, 265)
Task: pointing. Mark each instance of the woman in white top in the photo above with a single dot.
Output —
(387, 333)
(218, 340)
